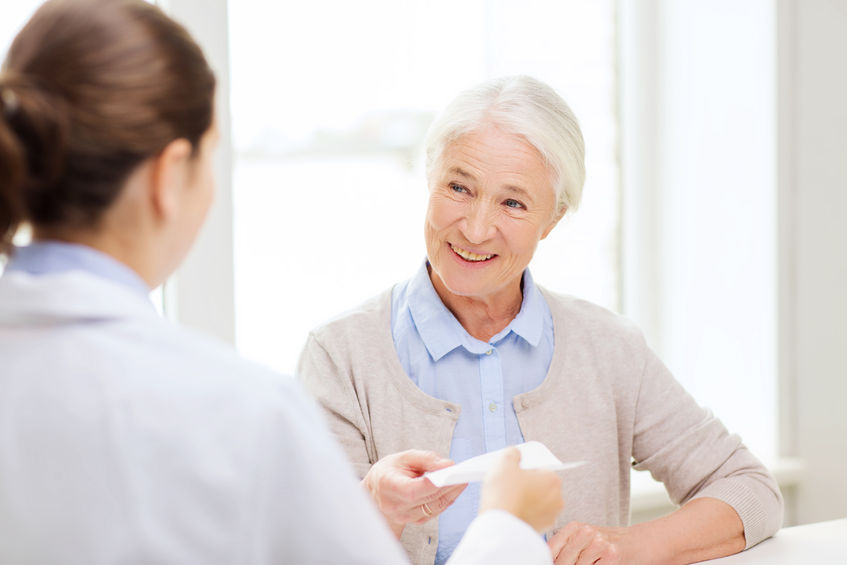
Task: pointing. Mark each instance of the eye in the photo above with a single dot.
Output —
(512, 203)
(457, 187)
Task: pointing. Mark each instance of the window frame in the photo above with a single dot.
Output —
(201, 293)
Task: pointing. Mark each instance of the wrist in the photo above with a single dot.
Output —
(639, 545)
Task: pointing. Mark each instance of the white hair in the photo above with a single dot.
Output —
(524, 106)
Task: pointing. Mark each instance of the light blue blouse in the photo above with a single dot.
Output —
(448, 363)
(50, 257)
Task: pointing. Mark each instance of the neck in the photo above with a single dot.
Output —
(482, 317)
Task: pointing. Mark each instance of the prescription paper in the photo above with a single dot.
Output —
(534, 455)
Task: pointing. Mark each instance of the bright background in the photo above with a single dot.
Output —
(715, 135)
(328, 188)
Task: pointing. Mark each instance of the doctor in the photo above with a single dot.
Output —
(124, 439)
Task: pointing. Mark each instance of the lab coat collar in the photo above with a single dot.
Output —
(73, 296)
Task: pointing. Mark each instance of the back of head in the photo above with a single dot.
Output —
(88, 91)
(523, 106)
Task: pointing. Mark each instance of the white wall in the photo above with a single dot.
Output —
(200, 295)
(734, 154)
(699, 161)
(813, 249)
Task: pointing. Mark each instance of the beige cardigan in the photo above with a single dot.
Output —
(607, 399)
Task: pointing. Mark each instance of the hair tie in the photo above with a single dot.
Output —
(10, 101)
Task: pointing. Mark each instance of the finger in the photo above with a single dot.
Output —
(402, 499)
(510, 459)
(440, 504)
(409, 490)
(610, 555)
(594, 550)
(561, 537)
(577, 542)
(451, 491)
(428, 513)
(421, 461)
(445, 498)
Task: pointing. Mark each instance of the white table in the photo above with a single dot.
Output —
(823, 542)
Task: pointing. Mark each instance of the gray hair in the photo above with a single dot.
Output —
(524, 106)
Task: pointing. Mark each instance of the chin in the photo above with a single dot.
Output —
(464, 285)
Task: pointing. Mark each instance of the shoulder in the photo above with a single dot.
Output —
(575, 310)
(220, 362)
(583, 320)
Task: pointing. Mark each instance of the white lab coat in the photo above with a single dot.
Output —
(124, 439)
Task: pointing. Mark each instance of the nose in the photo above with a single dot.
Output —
(479, 223)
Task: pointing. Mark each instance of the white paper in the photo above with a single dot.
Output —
(534, 455)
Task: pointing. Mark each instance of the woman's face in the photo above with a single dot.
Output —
(491, 202)
(196, 192)
(201, 179)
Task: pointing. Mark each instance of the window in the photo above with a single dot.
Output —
(699, 178)
(15, 15)
(330, 102)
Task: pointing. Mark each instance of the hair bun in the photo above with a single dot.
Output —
(9, 101)
(33, 139)
(92, 88)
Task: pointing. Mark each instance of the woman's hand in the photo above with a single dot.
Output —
(703, 529)
(402, 494)
(534, 496)
(583, 544)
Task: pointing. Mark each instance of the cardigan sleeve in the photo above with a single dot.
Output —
(332, 386)
(684, 446)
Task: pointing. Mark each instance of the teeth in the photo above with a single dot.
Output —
(468, 256)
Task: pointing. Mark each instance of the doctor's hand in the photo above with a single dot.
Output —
(402, 494)
(584, 544)
(532, 495)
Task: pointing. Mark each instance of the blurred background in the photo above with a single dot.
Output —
(716, 139)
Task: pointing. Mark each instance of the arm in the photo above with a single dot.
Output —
(332, 387)
(692, 453)
(308, 509)
(515, 506)
(395, 482)
(730, 501)
(705, 528)
(401, 493)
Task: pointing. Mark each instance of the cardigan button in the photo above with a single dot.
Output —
(525, 403)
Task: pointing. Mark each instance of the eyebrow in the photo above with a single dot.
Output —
(521, 191)
(510, 187)
(463, 173)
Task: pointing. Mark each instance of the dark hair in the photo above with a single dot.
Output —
(88, 91)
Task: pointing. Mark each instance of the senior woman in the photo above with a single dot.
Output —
(470, 355)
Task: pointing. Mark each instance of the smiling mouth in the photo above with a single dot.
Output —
(469, 256)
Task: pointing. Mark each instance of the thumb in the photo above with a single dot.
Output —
(420, 460)
(510, 459)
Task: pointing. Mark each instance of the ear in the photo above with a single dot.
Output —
(559, 215)
(169, 175)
